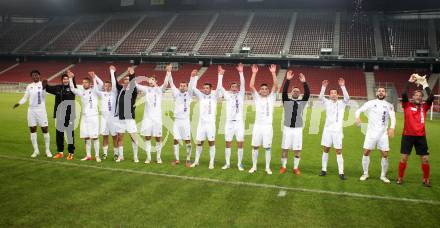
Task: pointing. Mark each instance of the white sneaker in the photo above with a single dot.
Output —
(364, 177)
(136, 160)
(385, 180)
(35, 154)
(98, 159)
(48, 154)
(148, 161)
(269, 172)
(120, 159)
(252, 170)
(240, 167)
(226, 166)
(86, 158)
(211, 165)
(194, 165)
(159, 161)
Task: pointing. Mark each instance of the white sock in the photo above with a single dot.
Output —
(176, 151)
(284, 162)
(158, 149)
(198, 153)
(240, 155)
(188, 151)
(96, 145)
(324, 161)
(148, 149)
(340, 161)
(268, 156)
(211, 154)
(135, 150)
(296, 162)
(365, 164)
(47, 141)
(34, 142)
(228, 156)
(116, 151)
(254, 158)
(384, 164)
(121, 152)
(88, 147)
(105, 150)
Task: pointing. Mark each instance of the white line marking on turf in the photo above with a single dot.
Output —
(282, 193)
(242, 183)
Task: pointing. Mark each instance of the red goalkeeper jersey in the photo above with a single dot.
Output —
(415, 116)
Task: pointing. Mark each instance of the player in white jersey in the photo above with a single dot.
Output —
(108, 92)
(378, 112)
(234, 116)
(89, 125)
(37, 115)
(333, 133)
(262, 132)
(182, 109)
(152, 120)
(206, 128)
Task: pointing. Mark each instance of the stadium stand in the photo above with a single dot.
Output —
(20, 73)
(101, 68)
(184, 32)
(16, 35)
(144, 34)
(77, 33)
(401, 38)
(267, 33)
(223, 35)
(357, 36)
(181, 72)
(4, 64)
(109, 34)
(313, 31)
(397, 78)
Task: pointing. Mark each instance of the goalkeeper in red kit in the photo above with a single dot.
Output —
(414, 127)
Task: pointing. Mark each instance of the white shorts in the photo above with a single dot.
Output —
(151, 127)
(108, 125)
(330, 138)
(37, 117)
(89, 127)
(205, 131)
(379, 139)
(182, 129)
(234, 128)
(292, 138)
(262, 135)
(127, 125)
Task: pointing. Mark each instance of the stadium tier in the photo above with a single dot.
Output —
(17, 34)
(397, 78)
(101, 68)
(181, 73)
(21, 72)
(357, 37)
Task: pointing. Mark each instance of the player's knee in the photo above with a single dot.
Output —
(425, 159)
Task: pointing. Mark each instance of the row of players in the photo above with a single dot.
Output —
(118, 118)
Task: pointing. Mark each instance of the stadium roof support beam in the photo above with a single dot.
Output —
(205, 33)
(337, 33)
(370, 82)
(124, 37)
(289, 35)
(60, 34)
(377, 36)
(33, 36)
(243, 33)
(92, 34)
(159, 36)
(432, 38)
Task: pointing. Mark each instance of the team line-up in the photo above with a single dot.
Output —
(118, 118)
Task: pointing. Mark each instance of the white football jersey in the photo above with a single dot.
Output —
(264, 108)
(378, 112)
(108, 99)
(89, 99)
(234, 101)
(36, 95)
(334, 110)
(208, 104)
(182, 101)
(153, 101)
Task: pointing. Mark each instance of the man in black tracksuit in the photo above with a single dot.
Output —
(64, 114)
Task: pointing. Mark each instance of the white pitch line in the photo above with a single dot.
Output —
(242, 183)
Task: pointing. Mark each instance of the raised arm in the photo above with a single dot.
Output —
(220, 88)
(428, 91)
(341, 82)
(194, 86)
(322, 92)
(273, 71)
(306, 95)
(285, 93)
(252, 82)
(192, 80)
(411, 79)
(71, 85)
(115, 85)
(97, 82)
(242, 82)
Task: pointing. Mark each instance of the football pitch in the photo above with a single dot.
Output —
(43, 192)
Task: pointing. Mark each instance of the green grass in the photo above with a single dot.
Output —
(43, 192)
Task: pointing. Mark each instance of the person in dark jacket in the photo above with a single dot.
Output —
(64, 114)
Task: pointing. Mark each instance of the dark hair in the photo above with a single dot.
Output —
(153, 76)
(87, 79)
(109, 82)
(64, 76)
(234, 83)
(208, 84)
(333, 89)
(381, 87)
(184, 82)
(34, 72)
(418, 91)
(295, 87)
(263, 84)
